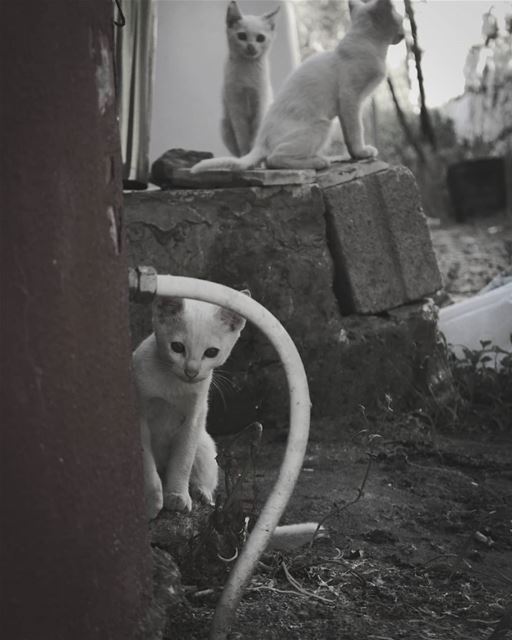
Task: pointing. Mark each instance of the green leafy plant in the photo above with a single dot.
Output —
(482, 381)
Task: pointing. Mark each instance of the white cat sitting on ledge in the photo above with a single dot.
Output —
(327, 85)
(246, 92)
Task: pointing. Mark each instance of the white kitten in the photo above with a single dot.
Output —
(247, 92)
(173, 371)
(327, 85)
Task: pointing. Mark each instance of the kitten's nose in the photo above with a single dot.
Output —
(251, 49)
(191, 373)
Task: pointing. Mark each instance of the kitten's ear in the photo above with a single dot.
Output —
(234, 321)
(233, 14)
(271, 18)
(165, 308)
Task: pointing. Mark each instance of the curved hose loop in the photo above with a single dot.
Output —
(300, 406)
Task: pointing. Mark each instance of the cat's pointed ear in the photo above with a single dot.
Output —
(233, 320)
(233, 14)
(166, 308)
(271, 18)
(352, 4)
(381, 5)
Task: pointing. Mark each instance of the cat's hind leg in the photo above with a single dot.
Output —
(301, 149)
(205, 471)
(284, 161)
(153, 492)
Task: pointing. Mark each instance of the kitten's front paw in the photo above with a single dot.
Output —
(203, 495)
(177, 502)
(365, 153)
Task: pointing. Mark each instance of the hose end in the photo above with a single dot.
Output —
(142, 284)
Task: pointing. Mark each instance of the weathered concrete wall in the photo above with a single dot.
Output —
(269, 240)
(292, 246)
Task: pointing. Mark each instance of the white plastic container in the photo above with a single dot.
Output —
(487, 316)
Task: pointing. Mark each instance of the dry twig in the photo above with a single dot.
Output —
(336, 510)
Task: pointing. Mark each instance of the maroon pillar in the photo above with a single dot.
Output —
(74, 558)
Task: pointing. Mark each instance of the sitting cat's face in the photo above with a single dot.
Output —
(382, 15)
(194, 337)
(249, 36)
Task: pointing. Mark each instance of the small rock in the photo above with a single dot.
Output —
(164, 168)
(175, 531)
(483, 539)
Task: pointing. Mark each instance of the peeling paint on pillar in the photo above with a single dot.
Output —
(74, 555)
(104, 75)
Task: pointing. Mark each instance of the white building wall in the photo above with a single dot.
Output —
(189, 58)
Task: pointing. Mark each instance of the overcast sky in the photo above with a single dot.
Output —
(447, 29)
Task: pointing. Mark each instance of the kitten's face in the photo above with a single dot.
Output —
(382, 15)
(249, 36)
(194, 337)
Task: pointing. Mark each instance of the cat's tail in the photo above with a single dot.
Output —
(250, 160)
(291, 536)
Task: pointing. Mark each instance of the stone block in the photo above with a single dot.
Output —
(164, 168)
(380, 241)
(342, 171)
(393, 359)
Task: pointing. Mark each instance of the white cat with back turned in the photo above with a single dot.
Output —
(326, 85)
(246, 92)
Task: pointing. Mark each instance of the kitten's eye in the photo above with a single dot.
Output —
(178, 347)
(211, 352)
(241, 35)
(260, 38)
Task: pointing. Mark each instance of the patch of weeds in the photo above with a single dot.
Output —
(336, 508)
(221, 535)
(482, 381)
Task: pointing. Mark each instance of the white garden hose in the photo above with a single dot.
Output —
(180, 287)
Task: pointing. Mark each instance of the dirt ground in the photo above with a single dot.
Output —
(470, 255)
(418, 508)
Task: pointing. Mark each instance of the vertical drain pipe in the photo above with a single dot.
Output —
(145, 281)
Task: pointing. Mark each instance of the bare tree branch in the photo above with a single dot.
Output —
(405, 125)
(427, 129)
